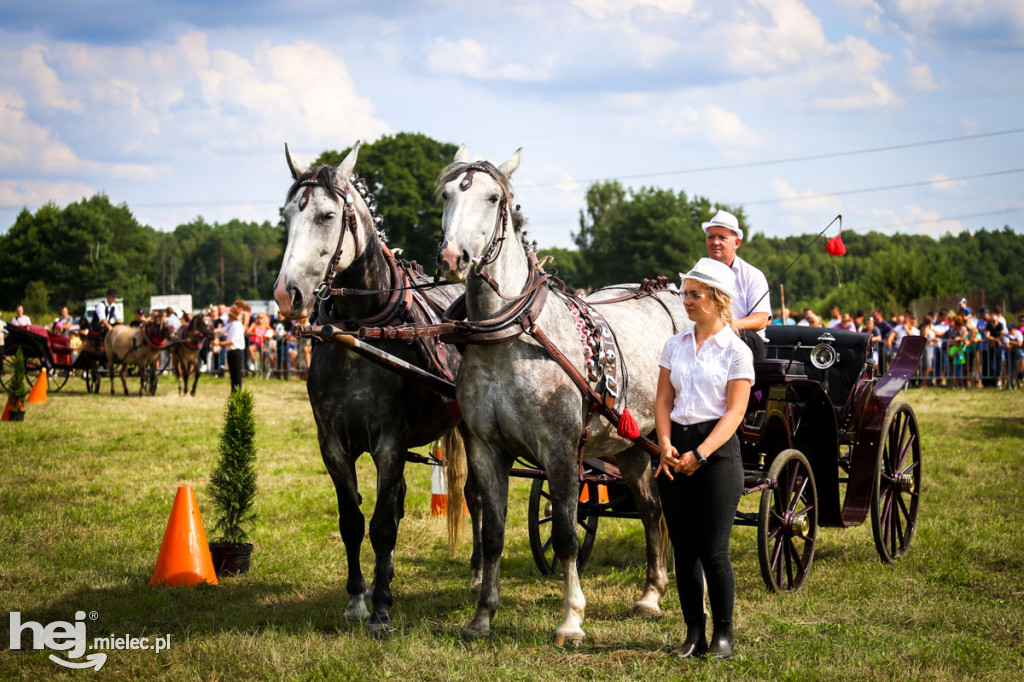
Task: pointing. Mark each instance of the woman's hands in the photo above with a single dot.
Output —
(671, 461)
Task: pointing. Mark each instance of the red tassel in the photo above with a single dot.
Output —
(628, 428)
(454, 410)
(835, 246)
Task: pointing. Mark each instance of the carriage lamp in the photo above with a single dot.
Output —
(824, 355)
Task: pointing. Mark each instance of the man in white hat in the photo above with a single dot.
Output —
(751, 308)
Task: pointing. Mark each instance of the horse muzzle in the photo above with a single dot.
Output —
(453, 263)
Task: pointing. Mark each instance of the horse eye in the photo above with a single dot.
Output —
(444, 195)
(327, 217)
(493, 198)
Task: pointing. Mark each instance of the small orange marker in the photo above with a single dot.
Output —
(184, 559)
(38, 393)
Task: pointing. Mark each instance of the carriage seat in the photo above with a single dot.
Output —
(852, 349)
(778, 368)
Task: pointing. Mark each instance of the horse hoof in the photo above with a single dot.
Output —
(646, 610)
(471, 635)
(379, 627)
(571, 640)
(356, 610)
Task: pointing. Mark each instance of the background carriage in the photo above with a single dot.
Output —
(824, 442)
(42, 349)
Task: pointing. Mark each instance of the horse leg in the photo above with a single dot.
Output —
(154, 374)
(475, 504)
(387, 513)
(351, 523)
(179, 372)
(635, 466)
(564, 482)
(124, 380)
(491, 473)
(195, 378)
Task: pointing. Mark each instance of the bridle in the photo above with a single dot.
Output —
(348, 224)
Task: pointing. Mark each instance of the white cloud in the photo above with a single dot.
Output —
(806, 201)
(604, 9)
(912, 219)
(47, 83)
(943, 185)
(668, 117)
(15, 194)
(919, 76)
(467, 57)
(26, 144)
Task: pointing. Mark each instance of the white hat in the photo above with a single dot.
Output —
(724, 219)
(714, 274)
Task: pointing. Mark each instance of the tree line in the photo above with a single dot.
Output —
(61, 256)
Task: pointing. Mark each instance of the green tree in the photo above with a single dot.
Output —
(36, 300)
(401, 170)
(233, 481)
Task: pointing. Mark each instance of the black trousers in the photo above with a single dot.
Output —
(235, 362)
(699, 511)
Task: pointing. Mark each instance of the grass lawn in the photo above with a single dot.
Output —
(87, 482)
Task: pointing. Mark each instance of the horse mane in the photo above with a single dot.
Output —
(326, 179)
(457, 168)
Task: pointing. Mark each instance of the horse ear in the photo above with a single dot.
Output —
(348, 164)
(510, 166)
(462, 156)
(296, 168)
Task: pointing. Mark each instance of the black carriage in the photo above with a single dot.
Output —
(824, 442)
(42, 349)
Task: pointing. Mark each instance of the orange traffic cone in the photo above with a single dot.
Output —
(184, 559)
(7, 410)
(38, 393)
(438, 492)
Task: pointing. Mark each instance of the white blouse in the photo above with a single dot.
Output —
(700, 377)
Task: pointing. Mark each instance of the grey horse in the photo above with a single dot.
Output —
(360, 406)
(517, 402)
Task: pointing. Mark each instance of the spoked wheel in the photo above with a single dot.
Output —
(787, 525)
(55, 380)
(897, 489)
(540, 524)
(33, 365)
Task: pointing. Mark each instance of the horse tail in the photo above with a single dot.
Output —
(664, 544)
(453, 456)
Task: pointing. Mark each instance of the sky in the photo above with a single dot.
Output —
(903, 115)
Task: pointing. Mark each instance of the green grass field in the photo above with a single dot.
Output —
(87, 482)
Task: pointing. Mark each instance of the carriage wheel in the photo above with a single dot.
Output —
(539, 524)
(32, 367)
(55, 380)
(787, 525)
(897, 489)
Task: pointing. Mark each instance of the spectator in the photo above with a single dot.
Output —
(836, 317)
(172, 318)
(975, 341)
(858, 318)
(282, 327)
(63, 324)
(958, 343)
(994, 327)
(20, 318)
(784, 318)
(941, 327)
(1015, 353)
(846, 323)
(140, 318)
(257, 335)
(874, 339)
(808, 315)
(232, 337)
(928, 360)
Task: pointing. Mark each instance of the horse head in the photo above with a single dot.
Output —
(476, 207)
(329, 226)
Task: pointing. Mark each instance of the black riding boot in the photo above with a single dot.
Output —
(696, 642)
(721, 640)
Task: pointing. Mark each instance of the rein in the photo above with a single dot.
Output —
(348, 223)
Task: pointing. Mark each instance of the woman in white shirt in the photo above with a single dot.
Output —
(703, 389)
(232, 337)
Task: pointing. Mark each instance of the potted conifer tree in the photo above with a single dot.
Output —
(233, 487)
(17, 389)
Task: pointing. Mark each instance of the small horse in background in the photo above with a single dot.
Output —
(90, 357)
(188, 341)
(360, 406)
(528, 395)
(139, 346)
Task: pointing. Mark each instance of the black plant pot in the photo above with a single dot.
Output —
(16, 415)
(230, 559)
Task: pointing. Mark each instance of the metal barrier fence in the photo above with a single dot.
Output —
(945, 364)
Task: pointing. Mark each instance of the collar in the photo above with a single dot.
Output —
(721, 337)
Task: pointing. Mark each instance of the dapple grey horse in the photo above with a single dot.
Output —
(359, 406)
(518, 402)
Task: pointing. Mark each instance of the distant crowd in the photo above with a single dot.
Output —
(964, 349)
(271, 349)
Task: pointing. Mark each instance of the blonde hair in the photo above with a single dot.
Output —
(720, 301)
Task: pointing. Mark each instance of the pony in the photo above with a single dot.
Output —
(188, 341)
(91, 356)
(338, 269)
(139, 346)
(518, 400)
